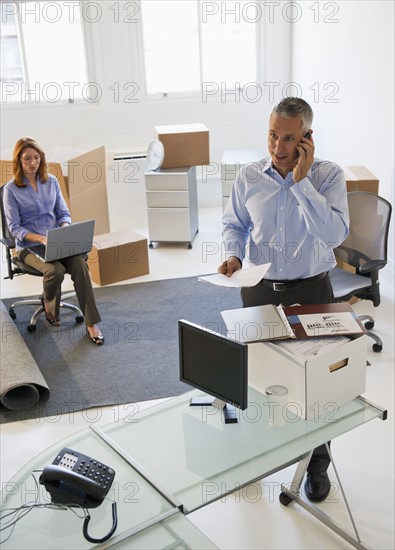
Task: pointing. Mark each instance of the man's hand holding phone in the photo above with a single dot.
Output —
(306, 156)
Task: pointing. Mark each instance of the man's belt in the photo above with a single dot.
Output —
(292, 285)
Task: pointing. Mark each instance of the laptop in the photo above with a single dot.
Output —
(66, 241)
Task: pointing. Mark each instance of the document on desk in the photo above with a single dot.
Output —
(314, 320)
(312, 347)
(269, 322)
(242, 278)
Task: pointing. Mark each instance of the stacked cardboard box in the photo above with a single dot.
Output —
(184, 144)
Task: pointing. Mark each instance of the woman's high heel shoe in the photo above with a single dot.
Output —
(98, 340)
(53, 322)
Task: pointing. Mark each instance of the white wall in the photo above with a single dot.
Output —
(357, 55)
(124, 126)
(350, 61)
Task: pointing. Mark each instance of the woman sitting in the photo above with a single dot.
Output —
(33, 204)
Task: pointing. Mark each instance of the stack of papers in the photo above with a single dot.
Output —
(312, 347)
(241, 278)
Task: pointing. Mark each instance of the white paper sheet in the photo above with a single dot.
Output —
(241, 278)
(312, 347)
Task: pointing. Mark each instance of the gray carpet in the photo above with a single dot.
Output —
(139, 360)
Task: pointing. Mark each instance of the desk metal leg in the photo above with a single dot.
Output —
(292, 493)
(294, 488)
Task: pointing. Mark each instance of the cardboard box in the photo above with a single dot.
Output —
(6, 172)
(317, 385)
(358, 178)
(184, 144)
(117, 257)
(82, 179)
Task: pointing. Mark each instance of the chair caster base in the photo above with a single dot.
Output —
(12, 313)
(377, 348)
(79, 319)
(31, 328)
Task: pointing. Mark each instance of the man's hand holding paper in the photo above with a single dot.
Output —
(240, 278)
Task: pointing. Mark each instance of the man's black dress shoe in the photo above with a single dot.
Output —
(317, 486)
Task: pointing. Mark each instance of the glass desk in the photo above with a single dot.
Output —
(199, 458)
(174, 458)
(173, 533)
(144, 515)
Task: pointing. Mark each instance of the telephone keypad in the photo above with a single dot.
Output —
(86, 466)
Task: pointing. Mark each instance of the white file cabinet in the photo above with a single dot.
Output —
(172, 206)
(232, 161)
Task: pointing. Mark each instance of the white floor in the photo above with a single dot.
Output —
(253, 518)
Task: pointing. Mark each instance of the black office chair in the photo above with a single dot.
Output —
(366, 250)
(16, 267)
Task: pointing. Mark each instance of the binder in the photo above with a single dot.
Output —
(270, 322)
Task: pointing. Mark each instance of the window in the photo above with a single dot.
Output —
(33, 66)
(11, 63)
(189, 44)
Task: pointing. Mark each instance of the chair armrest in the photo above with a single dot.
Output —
(9, 243)
(372, 265)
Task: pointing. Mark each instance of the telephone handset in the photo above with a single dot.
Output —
(74, 478)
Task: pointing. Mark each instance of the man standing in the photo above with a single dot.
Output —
(289, 210)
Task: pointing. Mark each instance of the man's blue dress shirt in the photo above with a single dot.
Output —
(29, 212)
(294, 226)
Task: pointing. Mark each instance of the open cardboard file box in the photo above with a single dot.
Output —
(316, 385)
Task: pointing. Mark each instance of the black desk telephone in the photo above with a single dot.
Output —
(78, 480)
(74, 478)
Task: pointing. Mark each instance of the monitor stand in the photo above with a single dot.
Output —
(229, 411)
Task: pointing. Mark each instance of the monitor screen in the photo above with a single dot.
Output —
(214, 363)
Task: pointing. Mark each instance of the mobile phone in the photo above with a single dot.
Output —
(307, 136)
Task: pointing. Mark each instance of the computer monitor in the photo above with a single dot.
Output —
(215, 364)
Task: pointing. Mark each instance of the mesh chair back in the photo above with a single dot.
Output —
(4, 227)
(14, 265)
(369, 224)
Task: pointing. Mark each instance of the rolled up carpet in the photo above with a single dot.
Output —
(21, 383)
